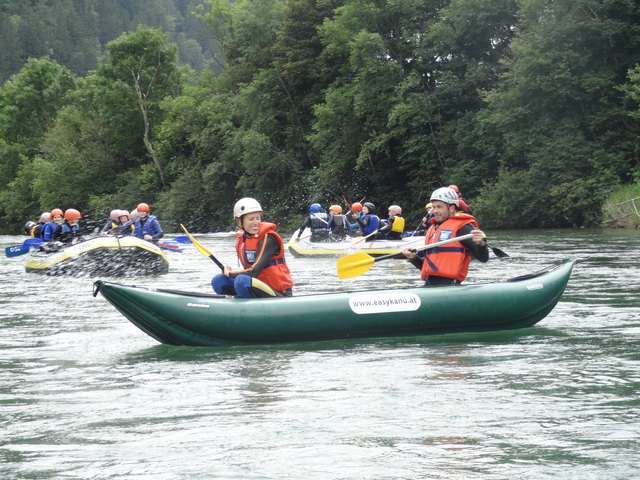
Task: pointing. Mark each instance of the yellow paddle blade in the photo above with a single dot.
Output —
(198, 245)
(353, 265)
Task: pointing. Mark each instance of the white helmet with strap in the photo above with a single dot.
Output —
(115, 215)
(446, 195)
(395, 210)
(246, 205)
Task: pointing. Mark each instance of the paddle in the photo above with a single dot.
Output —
(297, 239)
(121, 228)
(358, 263)
(170, 246)
(321, 219)
(36, 242)
(357, 241)
(17, 250)
(203, 250)
(497, 252)
(416, 230)
(182, 239)
(349, 205)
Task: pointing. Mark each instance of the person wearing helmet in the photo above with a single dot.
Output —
(44, 218)
(68, 230)
(368, 221)
(392, 228)
(354, 212)
(462, 204)
(260, 249)
(147, 226)
(356, 207)
(448, 264)
(134, 215)
(426, 221)
(317, 222)
(56, 217)
(119, 223)
(34, 229)
(111, 224)
(338, 225)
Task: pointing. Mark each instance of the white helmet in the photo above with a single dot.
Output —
(45, 217)
(395, 210)
(446, 195)
(114, 215)
(246, 205)
(134, 215)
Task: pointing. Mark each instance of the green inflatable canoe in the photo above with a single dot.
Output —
(183, 318)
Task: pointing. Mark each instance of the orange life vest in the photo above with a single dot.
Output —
(276, 274)
(450, 260)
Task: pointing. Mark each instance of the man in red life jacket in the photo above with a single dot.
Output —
(260, 249)
(448, 264)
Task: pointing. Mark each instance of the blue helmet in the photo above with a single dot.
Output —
(315, 207)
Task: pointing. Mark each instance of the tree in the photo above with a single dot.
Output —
(29, 103)
(555, 120)
(30, 99)
(407, 76)
(146, 62)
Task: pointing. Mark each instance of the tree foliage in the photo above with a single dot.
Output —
(556, 115)
(75, 33)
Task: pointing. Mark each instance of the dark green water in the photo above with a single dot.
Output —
(86, 395)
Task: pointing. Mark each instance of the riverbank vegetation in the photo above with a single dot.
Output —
(531, 107)
(622, 208)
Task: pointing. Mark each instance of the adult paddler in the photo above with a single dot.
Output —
(261, 252)
(448, 264)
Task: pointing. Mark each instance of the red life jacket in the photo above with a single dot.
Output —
(276, 274)
(450, 260)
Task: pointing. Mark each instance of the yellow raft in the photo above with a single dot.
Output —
(104, 256)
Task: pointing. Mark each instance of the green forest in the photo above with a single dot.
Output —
(531, 107)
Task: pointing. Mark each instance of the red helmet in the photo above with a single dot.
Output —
(455, 188)
(71, 215)
(56, 211)
(356, 207)
(143, 207)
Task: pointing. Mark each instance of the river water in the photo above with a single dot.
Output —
(84, 394)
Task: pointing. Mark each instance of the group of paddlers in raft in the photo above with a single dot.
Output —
(361, 221)
(57, 228)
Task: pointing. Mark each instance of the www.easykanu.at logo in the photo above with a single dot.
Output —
(396, 302)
